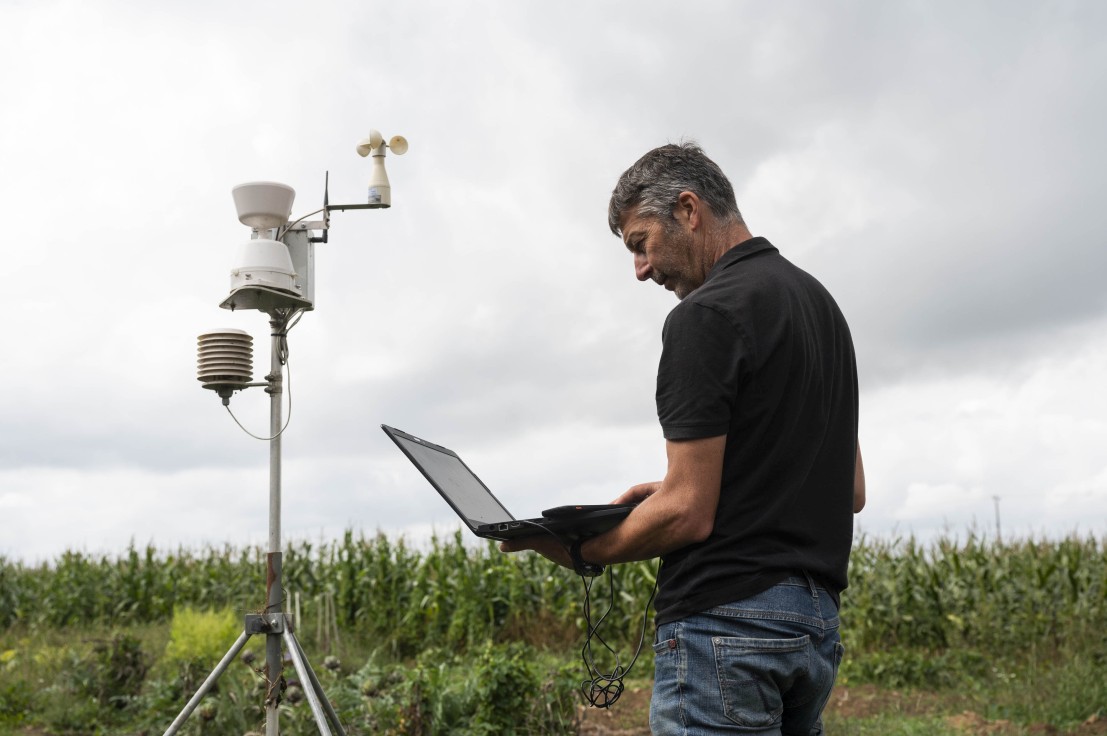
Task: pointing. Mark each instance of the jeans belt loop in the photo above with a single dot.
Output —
(811, 583)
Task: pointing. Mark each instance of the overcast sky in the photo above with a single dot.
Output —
(939, 166)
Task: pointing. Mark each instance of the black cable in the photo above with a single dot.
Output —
(284, 319)
(602, 689)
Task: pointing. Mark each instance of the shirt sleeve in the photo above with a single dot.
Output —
(702, 359)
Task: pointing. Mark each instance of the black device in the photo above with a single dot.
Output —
(483, 513)
(486, 517)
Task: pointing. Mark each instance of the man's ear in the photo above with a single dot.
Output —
(688, 209)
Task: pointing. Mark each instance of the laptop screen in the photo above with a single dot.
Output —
(465, 492)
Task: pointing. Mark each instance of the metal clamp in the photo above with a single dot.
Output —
(266, 623)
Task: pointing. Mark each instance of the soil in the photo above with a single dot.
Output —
(630, 716)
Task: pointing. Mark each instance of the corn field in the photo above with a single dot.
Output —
(450, 595)
(974, 593)
(440, 633)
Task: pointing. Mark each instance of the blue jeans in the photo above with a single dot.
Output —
(761, 665)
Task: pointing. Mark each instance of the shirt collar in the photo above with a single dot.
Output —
(745, 249)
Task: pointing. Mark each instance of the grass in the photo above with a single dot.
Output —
(892, 724)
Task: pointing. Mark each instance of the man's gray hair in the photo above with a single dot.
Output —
(653, 184)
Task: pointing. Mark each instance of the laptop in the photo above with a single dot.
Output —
(483, 514)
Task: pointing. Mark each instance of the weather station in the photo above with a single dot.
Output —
(274, 273)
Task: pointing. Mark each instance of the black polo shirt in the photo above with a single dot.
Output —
(761, 353)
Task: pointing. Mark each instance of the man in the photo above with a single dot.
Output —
(757, 398)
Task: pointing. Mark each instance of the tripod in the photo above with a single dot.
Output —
(276, 625)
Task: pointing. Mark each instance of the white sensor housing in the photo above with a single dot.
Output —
(225, 360)
(262, 264)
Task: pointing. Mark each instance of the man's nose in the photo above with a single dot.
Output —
(642, 267)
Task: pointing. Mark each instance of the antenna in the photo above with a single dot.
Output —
(326, 210)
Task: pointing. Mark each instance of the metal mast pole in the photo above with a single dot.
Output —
(273, 587)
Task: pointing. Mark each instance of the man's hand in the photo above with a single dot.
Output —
(544, 545)
(638, 493)
(553, 550)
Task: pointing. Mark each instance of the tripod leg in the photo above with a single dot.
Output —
(219, 669)
(294, 646)
(312, 694)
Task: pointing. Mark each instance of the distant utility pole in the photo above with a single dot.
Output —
(999, 533)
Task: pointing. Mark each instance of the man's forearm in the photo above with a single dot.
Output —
(680, 512)
(654, 528)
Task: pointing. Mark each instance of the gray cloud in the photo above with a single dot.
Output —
(938, 166)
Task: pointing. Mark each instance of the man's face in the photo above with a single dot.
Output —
(664, 252)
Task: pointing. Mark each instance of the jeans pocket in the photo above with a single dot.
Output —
(752, 674)
(662, 648)
(669, 673)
